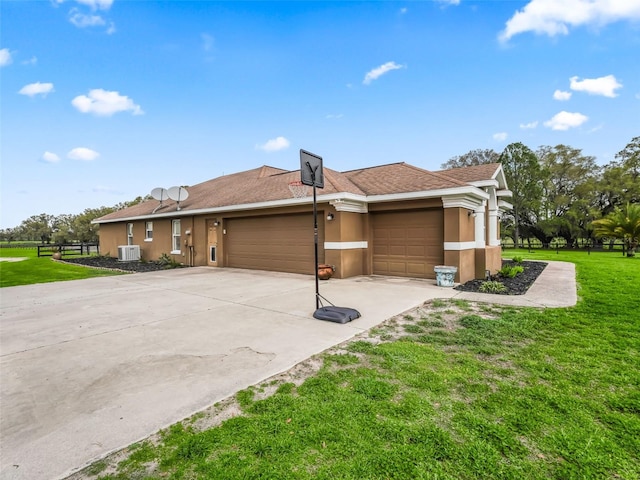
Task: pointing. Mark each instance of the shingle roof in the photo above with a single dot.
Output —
(399, 178)
(266, 184)
(475, 173)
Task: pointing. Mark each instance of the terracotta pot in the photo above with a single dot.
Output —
(325, 271)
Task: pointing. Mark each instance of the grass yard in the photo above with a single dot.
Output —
(40, 270)
(451, 390)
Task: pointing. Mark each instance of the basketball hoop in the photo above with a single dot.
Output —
(298, 189)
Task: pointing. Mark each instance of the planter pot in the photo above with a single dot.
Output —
(325, 271)
(445, 275)
(56, 256)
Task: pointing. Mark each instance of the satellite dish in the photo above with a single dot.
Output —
(178, 194)
(160, 193)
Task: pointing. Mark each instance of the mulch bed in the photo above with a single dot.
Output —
(517, 285)
(113, 264)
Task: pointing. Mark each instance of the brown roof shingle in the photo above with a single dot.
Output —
(266, 184)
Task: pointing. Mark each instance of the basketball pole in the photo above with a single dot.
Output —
(315, 242)
(315, 233)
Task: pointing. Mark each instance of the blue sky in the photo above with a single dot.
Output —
(103, 100)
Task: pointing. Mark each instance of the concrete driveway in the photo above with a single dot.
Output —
(90, 366)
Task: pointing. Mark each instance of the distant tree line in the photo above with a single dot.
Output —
(558, 192)
(63, 228)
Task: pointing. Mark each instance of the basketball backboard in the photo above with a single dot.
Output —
(311, 169)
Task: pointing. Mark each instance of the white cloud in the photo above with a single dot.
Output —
(500, 136)
(82, 20)
(112, 29)
(561, 95)
(449, 2)
(605, 86)
(97, 4)
(379, 71)
(5, 57)
(403, 10)
(554, 17)
(50, 157)
(82, 153)
(529, 126)
(334, 115)
(37, 88)
(104, 103)
(274, 145)
(207, 41)
(566, 120)
(32, 61)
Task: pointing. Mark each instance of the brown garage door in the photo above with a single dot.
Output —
(281, 243)
(408, 243)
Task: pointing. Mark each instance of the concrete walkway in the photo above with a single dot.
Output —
(90, 366)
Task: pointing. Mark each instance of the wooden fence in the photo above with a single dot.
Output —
(68, 249)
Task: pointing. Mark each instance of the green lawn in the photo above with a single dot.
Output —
(40, 270)
(453, 390)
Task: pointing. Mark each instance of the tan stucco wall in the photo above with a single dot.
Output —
(458, 225)
(464, 260)
(345, 227)
(493, 259)
(111, 235)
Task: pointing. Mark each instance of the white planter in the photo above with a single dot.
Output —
(445, 275)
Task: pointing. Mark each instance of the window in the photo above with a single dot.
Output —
(148, 231)
(129, 233)
(175, 231)
(212, 254)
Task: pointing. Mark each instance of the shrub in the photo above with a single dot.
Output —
(517, 259)
(493, 287)
(167, 261)
(511, 271)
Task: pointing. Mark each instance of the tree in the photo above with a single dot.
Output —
(569, 180)
(37, 227)
(472, 158)
(84, 230)
(622, 223)
(524, 178)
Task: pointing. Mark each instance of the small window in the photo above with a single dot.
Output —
(148, 231)
(212, 254)
(129, 233)
(175, 229)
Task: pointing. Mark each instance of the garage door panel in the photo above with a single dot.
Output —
(282, 243)
(408, 243)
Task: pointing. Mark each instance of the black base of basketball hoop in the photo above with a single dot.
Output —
(311, 175)
(335, 314)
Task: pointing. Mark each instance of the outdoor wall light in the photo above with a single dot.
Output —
(216, 223)
(471, 213)
(330, 217)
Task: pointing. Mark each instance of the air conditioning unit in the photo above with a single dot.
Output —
(128, 253)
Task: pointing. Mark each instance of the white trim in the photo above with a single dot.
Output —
(445, 193)
(495, 242)
(175, 252)
(148, 239)
(502, 205)
(346, 205)
(459, 246)
(345, 245)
